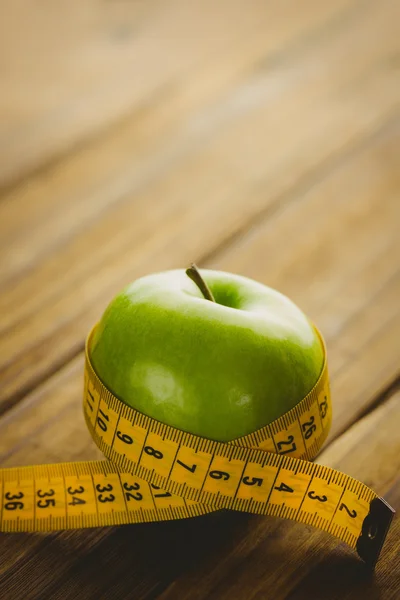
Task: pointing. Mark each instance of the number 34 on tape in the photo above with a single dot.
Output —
(154, 472)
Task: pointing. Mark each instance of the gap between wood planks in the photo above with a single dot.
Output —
(391, 388)
(298, 44)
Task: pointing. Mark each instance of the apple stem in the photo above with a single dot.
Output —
(195, 276)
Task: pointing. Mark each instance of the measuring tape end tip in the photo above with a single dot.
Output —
(374, 531)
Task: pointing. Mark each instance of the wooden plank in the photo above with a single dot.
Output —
(85, 66)
(45, 324)
(51, 207)
(223, 556)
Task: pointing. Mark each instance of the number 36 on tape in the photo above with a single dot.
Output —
(155, 472)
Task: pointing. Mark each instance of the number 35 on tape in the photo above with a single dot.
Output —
(154, 472)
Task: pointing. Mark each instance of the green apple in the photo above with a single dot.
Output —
(215, 354)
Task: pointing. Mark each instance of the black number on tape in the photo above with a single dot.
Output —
(313, 496)
(152, 452)
(309, 427)
(48, 502)
(9, 496)
(351, 513)
(191, 469)
(109, 498)
(253, 481)
(283, 488)
(219, 475)
(106, 488)
(162, 495)
(128, 488)
(101, 423)
(323, 408)
(44, 494)
(79, 490)
(124, 437)
(13, 505)
(75, 499)
(287, 442)
(90, 405)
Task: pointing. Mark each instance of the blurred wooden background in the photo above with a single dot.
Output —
(256, 137)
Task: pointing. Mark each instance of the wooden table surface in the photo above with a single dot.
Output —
(255, 137)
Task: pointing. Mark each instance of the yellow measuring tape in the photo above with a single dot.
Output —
(156, 472)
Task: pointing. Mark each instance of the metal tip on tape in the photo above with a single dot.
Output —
(374, 530)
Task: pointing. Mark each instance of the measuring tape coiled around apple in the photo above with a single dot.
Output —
(155, 472)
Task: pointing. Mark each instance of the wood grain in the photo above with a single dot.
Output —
(87, 67)
(121, 163)
(140, 136)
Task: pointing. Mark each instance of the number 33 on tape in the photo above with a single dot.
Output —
(154, 472)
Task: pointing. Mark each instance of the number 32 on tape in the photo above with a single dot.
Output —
(154, 472)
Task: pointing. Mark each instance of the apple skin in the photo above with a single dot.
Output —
(216, 369)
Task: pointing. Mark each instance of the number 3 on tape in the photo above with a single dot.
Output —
(155, 472)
